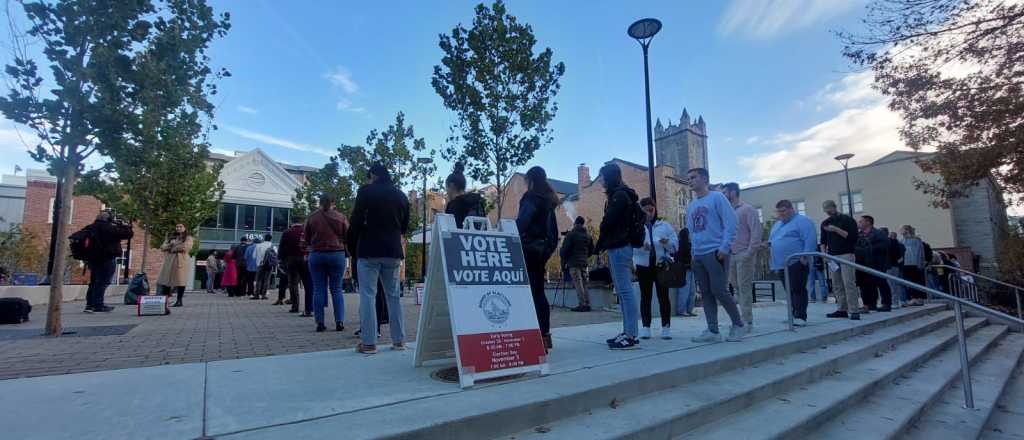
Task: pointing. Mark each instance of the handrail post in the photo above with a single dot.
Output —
(1016, 292)
(788, 288)
(965, 372)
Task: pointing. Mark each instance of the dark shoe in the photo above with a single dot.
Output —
(609, 341)
(278, 303)
(547, 341)
(254, 297)
(367, 349)
(624, 342)
(838, 314)
(855, 317)
(177, 304)
(263, 297)
(581, 309)
(305, 315)
(293, 311)
(287, 301)
(320, 327)
(885, 309)
(339, 327)
(104, 309)
(88, 309)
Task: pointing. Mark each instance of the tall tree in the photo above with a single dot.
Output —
(501, 92)
(92, 50)
(397, 147)
(326, 180)
(954, 70)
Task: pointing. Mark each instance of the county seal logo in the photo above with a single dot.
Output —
(496, 307)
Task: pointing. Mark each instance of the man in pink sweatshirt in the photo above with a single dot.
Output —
(744, 250)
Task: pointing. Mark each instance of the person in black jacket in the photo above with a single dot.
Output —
(577, 247)
(379, 220)
(873, 251)
(108, 232)
(460, 203)
(538, 232)
(614, 238)
(839, 239)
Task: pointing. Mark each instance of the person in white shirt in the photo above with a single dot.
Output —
(665, 244)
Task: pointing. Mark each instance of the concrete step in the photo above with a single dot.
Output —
(947, 417)
(796, 414)
(1007, 421)
(499, 409)
(686, 406)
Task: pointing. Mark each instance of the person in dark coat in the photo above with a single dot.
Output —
(293, 258)
(577, 247)
(460, 203)
(102, 263)
(380, 219)
(873, 251)
(538, 232)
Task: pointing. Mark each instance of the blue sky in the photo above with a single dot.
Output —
(767, 75)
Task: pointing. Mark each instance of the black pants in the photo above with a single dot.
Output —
(249, 284)
(915, 275)
(648, 279)
(797, 287)
(297, 273)
(100, 273)
(535, 270)
(872, 288)
(262, 281)
(167, 290)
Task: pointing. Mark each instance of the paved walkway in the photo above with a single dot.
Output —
(211, 327)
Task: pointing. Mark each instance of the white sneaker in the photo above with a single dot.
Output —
(736, 334)
(666, 333)
(799, 323)
(645, 333)
(707, 336)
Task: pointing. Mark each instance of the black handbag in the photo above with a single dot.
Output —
(672, 274)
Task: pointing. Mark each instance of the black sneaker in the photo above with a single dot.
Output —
(104, 309)
(624, 342)
(885, 309)
(838, 314)
(580, 309)
(339, 327)
(616, 338)
(88, 309)
(855, 317)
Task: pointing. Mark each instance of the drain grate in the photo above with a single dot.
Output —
(451, 375)
(76, 332)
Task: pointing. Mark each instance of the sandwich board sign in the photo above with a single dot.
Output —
(477, 304)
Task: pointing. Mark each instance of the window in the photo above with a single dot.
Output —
(228, 214)
(210, 222)
(49, 213)
(801, 207)
(263, 218)
(248, 220)
(280, 219)
(858, 203)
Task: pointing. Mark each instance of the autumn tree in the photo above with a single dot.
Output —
(954, 70)
(502, 94)
(75, 105)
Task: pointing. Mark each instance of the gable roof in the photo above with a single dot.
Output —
(289, 167)
(560, 186)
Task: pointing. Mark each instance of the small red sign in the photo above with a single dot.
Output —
(483, 352)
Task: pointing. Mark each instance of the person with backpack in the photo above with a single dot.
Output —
(872, 250)
(175, 270)
(266, 264)
(293, 257)
(380, 219)
(538, 232)
(577, 247)
(460, 203)
(684, 295)
(101, 249)
(665, 244)
(622, 229)
(711, 220)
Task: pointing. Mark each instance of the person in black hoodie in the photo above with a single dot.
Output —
(873, 251)
(379, 220)
(614, 238)
(460, 203)
(538, 232)
(108, 232)
(577, 247)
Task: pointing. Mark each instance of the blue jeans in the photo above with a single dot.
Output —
(816, 278)
(386, 270)
(684, 296)
(100, 274)
(327, 269)
(210, 278)
(619, 260)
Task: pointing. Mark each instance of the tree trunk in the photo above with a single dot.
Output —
(53, 312)
(145, 250)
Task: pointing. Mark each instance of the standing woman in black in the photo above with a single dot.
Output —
(461, 204)
(538, 232)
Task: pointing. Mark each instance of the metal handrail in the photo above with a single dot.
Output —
(958, 304)
(1016, 289)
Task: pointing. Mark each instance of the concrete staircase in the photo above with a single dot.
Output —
(897, 379)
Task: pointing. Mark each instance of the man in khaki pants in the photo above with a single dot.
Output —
(744, 251)
(839, 238)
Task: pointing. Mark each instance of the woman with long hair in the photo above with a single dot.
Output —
(174, 273)
(460, 203)
(538, 232)
(665, 244)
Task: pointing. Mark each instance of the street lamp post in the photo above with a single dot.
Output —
(643, 31)
(424, 161)
(844, 159)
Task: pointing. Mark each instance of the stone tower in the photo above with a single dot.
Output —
(682, 146)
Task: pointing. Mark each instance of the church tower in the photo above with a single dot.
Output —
(682, 146)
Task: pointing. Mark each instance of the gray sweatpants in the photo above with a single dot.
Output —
(710, 274)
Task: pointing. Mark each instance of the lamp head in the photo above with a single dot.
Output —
(644, 28)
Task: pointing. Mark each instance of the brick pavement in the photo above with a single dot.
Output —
(208, 328)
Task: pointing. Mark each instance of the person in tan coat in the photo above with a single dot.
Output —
(174, 273)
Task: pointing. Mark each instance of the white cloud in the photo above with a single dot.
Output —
(753, 140)
(764, 19)
(246, 109)
(271, 140)
(341, 77)
(863, 125)
(346, 105)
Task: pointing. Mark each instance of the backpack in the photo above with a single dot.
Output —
(84, 244)
(635, 229)
(138, 286)
(14, 310)
(928, 255)
(270, 259)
